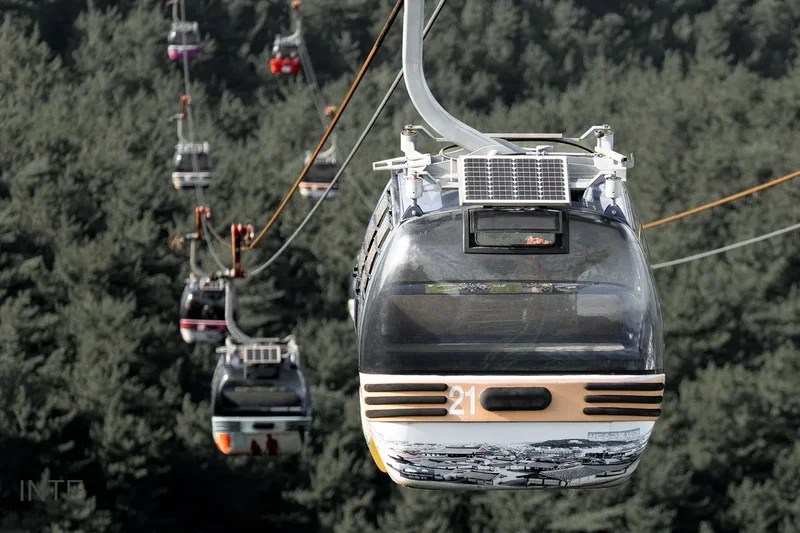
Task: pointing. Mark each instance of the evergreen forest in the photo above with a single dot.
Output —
(96, 384)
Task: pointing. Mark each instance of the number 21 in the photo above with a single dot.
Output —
(459, 393)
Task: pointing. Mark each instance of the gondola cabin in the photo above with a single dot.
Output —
(184, 41)
(202, 317)
(259, 400)
(192, 166)
(508, 325)
(320, 176)
(285, 58)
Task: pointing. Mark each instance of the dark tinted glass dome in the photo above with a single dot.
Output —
(432, 308)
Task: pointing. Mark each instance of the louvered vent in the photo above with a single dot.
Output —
(513, 180)
(226, 426)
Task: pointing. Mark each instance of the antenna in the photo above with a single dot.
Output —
(431, 111)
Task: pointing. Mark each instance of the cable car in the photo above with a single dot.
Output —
(259, 399)
(285, 58)
(508, 325)
(202, 317)
(320, 175)
(192, 166)
(184, 40)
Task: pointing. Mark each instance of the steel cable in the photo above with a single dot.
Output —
(726, 248)
(352, 153)
(381, 37)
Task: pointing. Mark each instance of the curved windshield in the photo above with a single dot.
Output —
(284, 395)
(180, 38)
(431, 308)
(321, 173)
(205, 305)
(284, 52)
(185, 162)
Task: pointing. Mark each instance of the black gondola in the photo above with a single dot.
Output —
(259, 400)
(508, 326)
(202, 316)
(538, 327)
(192, 166)
(320, 176)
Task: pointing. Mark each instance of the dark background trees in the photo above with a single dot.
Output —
(96, 385)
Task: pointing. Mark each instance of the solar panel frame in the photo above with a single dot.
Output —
(513, 180)
(261, 354)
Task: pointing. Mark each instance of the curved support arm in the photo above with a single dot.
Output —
(179, 119)
(230, 322)
(330, 152)
(233, 328)
(298, 26)
(193, 260)
(431, 111)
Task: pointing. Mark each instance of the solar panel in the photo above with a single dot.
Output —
(513, 180)
(262, 354)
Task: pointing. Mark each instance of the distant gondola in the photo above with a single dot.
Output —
(259, 400)
(508, 326)
(202, 317)
(192, 166)
(285, 55)
(184, 40)
(320, 176)
(285, 58)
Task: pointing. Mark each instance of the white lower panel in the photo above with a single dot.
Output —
(318, 193)
(191, 180)
(514, 455)
(275, 441)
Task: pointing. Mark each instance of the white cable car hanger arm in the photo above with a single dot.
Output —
(442, 172)
(422, 98)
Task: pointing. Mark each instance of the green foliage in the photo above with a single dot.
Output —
(96, 385)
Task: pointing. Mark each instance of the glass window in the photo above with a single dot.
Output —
(179, 38)
(321, 173)
(185, 162)
(205, 305)
(514, 238)
(432, 308)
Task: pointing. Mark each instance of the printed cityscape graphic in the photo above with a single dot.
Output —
(602, 458)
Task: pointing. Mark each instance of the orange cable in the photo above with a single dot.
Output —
(723, 201)
(356, 83)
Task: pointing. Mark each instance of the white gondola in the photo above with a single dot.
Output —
(508, 325)
(192, 166)
(259, 399)
(320, 175)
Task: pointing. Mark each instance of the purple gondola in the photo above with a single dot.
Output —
(184, 40)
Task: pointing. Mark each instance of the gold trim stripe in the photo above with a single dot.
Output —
(569, 398)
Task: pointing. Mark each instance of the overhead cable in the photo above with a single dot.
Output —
(381, 37)
(352, 153)
(318, 98)
(722, 201)
(727, 248)
(187, 88)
